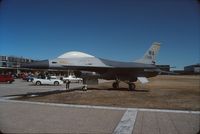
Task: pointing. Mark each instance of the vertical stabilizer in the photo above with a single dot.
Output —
(150, 55)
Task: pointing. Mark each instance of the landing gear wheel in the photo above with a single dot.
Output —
(131, 86)
(115, 85)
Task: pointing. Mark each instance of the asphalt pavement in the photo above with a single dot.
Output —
(20, 87)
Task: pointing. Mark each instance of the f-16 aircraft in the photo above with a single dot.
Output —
(93, 67)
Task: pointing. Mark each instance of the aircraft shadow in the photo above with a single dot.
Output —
(119, 89)
(39, 94)
(35, 94)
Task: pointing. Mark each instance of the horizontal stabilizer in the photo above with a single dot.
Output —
(167, 72)
(143, 80)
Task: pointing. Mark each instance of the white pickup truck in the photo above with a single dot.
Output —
(52, 80)
(72, 78)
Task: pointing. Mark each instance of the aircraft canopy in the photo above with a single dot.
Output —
(75, 54)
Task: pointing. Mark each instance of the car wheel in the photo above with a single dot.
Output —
(38, 83)
(56, 83)
(9, 82)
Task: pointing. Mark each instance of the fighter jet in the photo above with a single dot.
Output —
(93, 67)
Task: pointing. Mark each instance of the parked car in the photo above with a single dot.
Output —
(6, 78)
(52, 80)
(72, 78)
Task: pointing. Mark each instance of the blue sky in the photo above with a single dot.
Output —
(113, 29)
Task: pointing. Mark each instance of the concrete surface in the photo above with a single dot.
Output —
(166, 123)
(36, 117)
(126, 123)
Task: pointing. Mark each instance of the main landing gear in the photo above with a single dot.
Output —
(131, 85)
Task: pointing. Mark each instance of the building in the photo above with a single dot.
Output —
(12, 64)
(192, 69)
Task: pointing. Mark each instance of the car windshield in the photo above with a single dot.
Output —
(71, 76)
(53, 77)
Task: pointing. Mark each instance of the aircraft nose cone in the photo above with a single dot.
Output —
(44, 64)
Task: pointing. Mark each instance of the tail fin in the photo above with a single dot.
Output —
(150, 55)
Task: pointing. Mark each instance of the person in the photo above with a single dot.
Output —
(67, 84)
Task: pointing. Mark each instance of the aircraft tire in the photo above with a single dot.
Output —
(132, 86)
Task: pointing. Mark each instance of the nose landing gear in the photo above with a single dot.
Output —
(115, 84)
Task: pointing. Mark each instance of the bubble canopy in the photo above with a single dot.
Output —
(75, 54)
